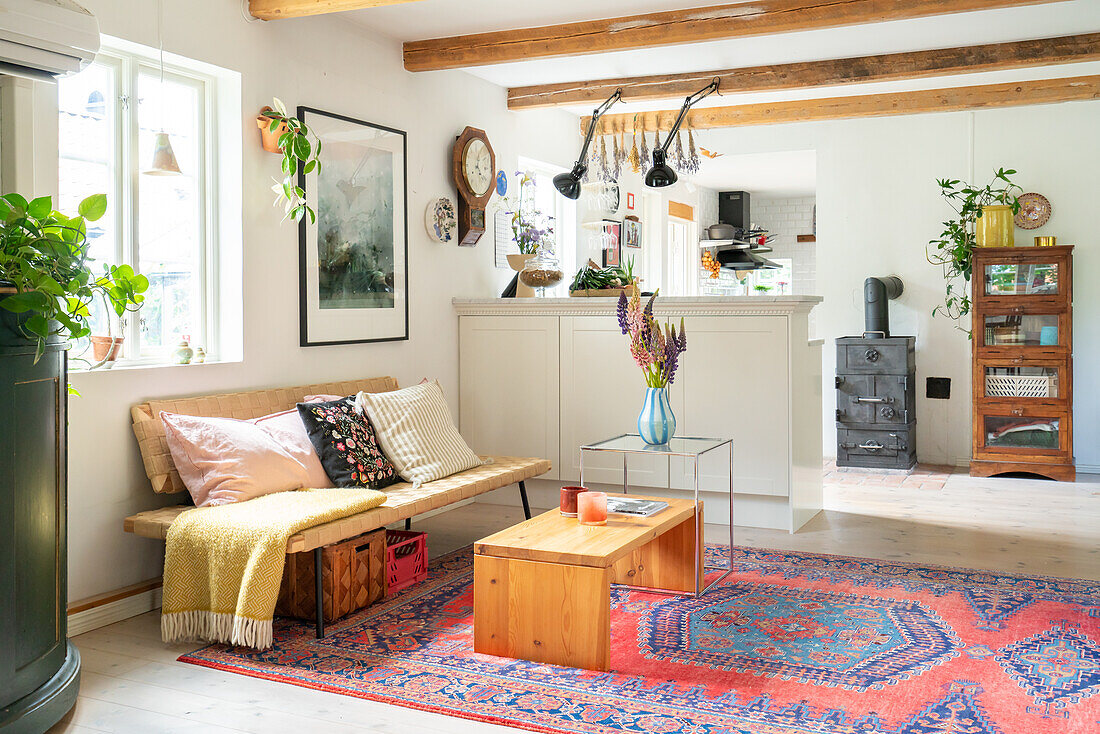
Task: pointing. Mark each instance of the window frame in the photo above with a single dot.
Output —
(127, 66)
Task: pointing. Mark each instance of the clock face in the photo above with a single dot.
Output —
(477, 167)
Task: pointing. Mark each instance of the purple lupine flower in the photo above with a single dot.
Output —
(620, 311)
(672, 353)
(683, 336)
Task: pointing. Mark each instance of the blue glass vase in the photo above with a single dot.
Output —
(656, 423)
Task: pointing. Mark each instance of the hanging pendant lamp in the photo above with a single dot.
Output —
(569, 184)
(164, 158)
(661, 174)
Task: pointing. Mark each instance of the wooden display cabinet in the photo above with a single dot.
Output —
(1023, 361)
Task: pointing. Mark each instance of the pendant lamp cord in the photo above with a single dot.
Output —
(160, 44)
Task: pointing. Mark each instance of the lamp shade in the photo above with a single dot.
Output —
(569, 184)
(164, 158)
(661, 174)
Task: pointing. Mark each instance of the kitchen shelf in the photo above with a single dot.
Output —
(732, 245)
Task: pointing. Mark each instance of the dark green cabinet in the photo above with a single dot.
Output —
(39, 669)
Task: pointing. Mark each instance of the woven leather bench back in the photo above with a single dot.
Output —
(240, 405)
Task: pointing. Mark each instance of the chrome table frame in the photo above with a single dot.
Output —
(666, 451)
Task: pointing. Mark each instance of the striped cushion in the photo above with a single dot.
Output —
(415, 430)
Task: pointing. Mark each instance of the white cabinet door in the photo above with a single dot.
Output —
(602, 391)
(735, 377)
(508, 376)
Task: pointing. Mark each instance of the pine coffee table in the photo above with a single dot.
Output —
(542, 588)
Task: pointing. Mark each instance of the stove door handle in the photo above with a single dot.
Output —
(861, 399)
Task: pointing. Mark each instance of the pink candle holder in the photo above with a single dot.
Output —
(592, 508)
(568, 504)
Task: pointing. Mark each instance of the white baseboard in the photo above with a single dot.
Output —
(115, 611)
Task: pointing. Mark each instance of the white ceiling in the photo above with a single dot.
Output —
(437, 18)
(781, 174)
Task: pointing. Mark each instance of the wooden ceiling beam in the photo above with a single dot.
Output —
(832, 72)
(279, 9)
(693, 25)
(1012, 94)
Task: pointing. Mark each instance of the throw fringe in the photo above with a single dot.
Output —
(215, 627)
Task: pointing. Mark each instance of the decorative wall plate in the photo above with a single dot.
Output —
(1034, 211)
(439, 219)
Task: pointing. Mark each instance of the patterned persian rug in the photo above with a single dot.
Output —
(789, 643)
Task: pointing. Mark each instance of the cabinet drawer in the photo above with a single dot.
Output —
(893, 356)
(1041, 433)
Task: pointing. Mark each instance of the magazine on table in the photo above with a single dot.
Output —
(634, 506)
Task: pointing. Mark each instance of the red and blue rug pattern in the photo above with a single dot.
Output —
(790, 643)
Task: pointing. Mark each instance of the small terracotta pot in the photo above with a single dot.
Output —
(106, 347)
(269, 139)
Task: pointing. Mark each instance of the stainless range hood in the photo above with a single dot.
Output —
(743, 258)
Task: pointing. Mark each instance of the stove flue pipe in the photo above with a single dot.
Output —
(876, 313)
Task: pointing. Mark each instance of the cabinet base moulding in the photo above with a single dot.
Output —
(1058, 472)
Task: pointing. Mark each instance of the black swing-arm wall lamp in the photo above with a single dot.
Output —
(661, 174)
(569, 184)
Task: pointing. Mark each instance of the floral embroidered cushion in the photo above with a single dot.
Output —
(346, 444)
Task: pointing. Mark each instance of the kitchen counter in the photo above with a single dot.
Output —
(543, 376)
(664, 305)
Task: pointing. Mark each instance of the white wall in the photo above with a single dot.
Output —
(326, 63)
(878, 204)
(786, 218)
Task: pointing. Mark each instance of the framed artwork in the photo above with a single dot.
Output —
(630, 201)
(353, 279)
(632, 233)
(610, 238)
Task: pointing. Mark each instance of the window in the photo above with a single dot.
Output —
(163, 226)
(774, 282)
(562, 210)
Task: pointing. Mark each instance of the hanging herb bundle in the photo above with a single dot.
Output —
(616, 159)
(605, 166)
(678, 154)
(634, 158)
(645, 153)
(694, 164)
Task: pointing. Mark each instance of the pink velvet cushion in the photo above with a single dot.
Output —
(223, 460)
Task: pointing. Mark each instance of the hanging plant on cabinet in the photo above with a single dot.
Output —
(300, 146)
(954, 249)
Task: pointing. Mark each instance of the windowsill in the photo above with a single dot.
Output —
(125, 366)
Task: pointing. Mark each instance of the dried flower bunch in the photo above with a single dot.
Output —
(657, 351)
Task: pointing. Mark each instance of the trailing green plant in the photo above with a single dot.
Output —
(954, 249)
(44, 257)
(298, 151)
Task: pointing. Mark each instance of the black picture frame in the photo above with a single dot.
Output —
(304, 310)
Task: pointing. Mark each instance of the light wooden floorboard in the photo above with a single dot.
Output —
(133, 683)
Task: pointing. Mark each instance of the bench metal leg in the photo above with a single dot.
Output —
(408, 523)
(320, 592)
(523, 496)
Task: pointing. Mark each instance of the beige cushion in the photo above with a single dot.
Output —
(149, 431)
(415, 429)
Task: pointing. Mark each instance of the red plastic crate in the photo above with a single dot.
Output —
(406, 559)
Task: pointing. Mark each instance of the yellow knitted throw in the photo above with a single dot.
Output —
(223, 565)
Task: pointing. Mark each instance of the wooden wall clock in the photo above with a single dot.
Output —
(473, 165)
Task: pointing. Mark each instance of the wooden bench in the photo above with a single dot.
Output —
(403, 501)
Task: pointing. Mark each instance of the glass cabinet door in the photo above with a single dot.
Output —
(1022, 279)
(1012, 380)
(1022, 432)
(1023, 330)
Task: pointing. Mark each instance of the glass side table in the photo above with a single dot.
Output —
(688, 447)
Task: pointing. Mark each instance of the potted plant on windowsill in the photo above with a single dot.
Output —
(46, 281)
